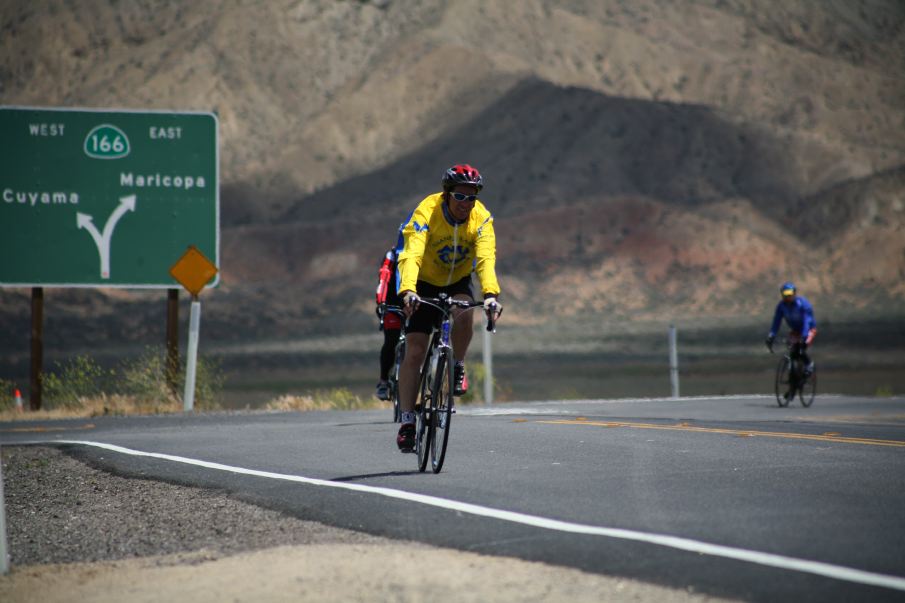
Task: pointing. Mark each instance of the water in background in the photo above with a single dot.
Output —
(554, 361)
(863, 358)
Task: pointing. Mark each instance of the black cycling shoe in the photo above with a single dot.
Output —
(383, 391)
(406, 437)
(461, 379)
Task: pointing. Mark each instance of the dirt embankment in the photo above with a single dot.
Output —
(78, 534)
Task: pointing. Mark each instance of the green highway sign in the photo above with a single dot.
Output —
(105, 198)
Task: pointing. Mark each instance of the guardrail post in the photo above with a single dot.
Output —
(673, 362)
(488, 369)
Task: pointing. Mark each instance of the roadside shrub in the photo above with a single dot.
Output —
(144, 379)
(78, 378)
(476, 377)
(209, 380)
(8, 395)
(81, 387)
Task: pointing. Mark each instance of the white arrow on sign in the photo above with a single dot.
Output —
(103, 240)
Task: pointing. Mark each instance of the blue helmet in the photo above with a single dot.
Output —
(788, 288)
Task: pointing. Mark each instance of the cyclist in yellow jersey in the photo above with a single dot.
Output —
(447, 237)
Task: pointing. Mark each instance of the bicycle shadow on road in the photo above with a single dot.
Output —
(352, 478)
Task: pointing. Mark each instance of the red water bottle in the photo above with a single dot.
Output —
(384, 279)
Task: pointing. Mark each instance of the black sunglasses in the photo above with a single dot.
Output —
(463, 197)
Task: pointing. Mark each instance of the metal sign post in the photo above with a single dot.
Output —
(194, 271)
(36, 389)
(172, 339)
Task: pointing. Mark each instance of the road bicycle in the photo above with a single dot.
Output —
(791, 377)
(435, 407)
(398, 355)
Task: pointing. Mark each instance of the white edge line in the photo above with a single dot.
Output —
(818, 568)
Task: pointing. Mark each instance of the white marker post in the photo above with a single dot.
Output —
(4, 552)
(488, 369)
(191, 362)
(673, 362)
(194, 271)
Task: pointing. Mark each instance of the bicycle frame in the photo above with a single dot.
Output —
(441, 335)
(436, 385)
(792, 365)
(794, 353)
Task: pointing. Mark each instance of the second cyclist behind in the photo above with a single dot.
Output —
(390, 322)
(799, 315)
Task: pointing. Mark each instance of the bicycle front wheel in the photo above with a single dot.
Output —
(784, 391)
(808, 389)
(442, 400)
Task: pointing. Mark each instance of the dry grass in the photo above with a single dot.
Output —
(97, 406)
(334, 399)
(121, 405)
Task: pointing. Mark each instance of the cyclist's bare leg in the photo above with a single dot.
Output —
(409, 372)
(463, 329)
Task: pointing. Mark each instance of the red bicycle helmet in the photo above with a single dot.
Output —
(462, 173)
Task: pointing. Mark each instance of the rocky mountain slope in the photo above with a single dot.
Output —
(640, 156)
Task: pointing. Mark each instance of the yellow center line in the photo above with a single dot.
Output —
(42, 429)
(827, 437)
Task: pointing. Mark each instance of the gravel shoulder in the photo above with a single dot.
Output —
(77, 533)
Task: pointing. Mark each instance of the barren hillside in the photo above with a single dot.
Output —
(693, 154)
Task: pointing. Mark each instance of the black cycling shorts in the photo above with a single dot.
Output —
(427, 317)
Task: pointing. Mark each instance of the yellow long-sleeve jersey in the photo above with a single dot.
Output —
(439, 251)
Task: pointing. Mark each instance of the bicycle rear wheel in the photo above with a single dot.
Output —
(442, 399)
(808, 389)
(394, 381)
(423, 429)
(784, 391)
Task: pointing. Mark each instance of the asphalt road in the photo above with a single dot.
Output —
(729, 496)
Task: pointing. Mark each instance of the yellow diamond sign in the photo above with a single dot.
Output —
(193, 270)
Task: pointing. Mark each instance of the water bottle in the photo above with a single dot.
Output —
(384, 278)
(435, 357)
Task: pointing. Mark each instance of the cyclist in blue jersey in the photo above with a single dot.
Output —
(799, 315)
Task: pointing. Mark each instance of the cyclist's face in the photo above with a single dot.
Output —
(461, 209)
(788, 299)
